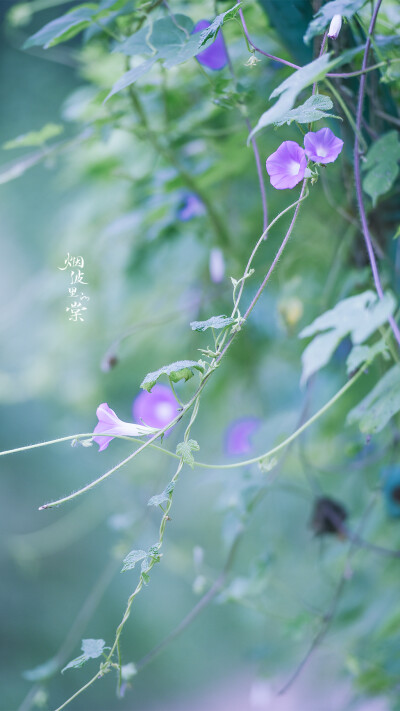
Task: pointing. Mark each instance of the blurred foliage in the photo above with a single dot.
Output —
(106, 180)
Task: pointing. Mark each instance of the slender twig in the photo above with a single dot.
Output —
(357, 175)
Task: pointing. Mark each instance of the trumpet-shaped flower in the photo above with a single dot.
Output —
(286, 167)
(157, 408)
(109, 424)
(322, 146)
(214, 57)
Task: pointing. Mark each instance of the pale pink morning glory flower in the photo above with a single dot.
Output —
(111, 425)
(157, 408)
(214, 57)
(238, 435)
(286, 167)
(322, 146)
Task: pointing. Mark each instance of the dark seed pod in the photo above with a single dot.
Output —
(328, 517)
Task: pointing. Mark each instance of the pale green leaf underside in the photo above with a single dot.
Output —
(213, 322)
(314, 109)
(358, 316)
(379, 406)
(180, 370)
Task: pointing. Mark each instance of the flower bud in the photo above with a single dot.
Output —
(334, 27)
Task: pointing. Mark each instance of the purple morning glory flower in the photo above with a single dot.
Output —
(322, 146)
(286, 167)
(157, 408)
(214, 57)
(111, 425)
(217, 265)
(192, 207)
(239, 433)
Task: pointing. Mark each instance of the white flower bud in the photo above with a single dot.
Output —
(334, 27)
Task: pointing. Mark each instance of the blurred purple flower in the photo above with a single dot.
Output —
(215, 56)
(109, 423)
(239, 433)
(217, 265)
(286, 167)
(192, 207)
(322, 146)
(157, 408)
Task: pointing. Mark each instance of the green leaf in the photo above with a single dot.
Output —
(212, 322)
(323, 17)
(379, 406)
(360, 355)
(159, 499)
(313, 109)
(185, 449)
(52, 33)
(212, 30)
(180, 370)
(35, 138)
(397, 233)
(131, 76)
(381, 164)
(299, 80)
(132, 558)
(92, 648)
(358, 316)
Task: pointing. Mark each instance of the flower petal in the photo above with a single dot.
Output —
(322, 146)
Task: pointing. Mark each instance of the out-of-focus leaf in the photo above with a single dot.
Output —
(131, 76)
(212, 322)
(44, 671)
(358, 316)
(379, 406)
(35, 138)
(323, 17)
(180, 370)
(313, 109)
(365, 354)
(382, 165)
(54, 31)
